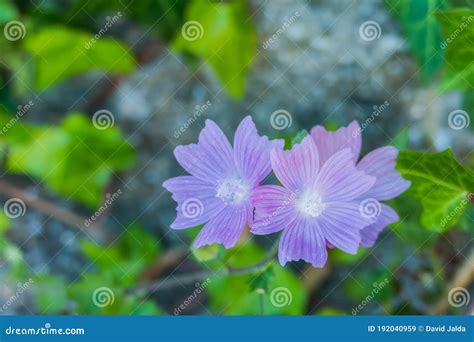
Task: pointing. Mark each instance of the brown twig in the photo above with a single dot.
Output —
(187, 279)
(464, 276)
(50, 209)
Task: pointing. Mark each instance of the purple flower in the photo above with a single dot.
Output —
(316, 204)
(379, 163)
(218, 191)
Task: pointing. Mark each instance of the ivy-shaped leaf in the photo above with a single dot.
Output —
(61, 53)
(75, 159)
(422, 31)
(222, 33)
(440, 184)
(458, 29)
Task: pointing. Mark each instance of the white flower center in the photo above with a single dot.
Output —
(311, 204)
(233, 191)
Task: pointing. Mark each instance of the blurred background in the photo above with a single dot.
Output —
(95, 95)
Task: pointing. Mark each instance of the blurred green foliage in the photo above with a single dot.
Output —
(458, 29)
(113, 270)
(75, 159)
(422, 31)
(60, 53)
(222, 33)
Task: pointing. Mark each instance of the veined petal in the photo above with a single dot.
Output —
(252, 152)
(211, 158)
(197, 202)
(329, 143)
(340, 181)
(225, 228)
(274, 209)
(381, 164)
(297, 168)
(341, 223)
(303, 240)
(370, 233)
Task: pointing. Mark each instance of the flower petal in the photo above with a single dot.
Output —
(225, 228)
(341, 223)
(340, 181)
(252, 152)
(211, 158)
(370, 233)
(273, 209)
(297, 168)
(381, 164)
(197, 202)
(303, 240)
(329, 143)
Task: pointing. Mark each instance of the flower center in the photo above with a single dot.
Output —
(233, 191)
(311, 204)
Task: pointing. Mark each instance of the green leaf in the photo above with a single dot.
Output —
(458, 29)
(222, 33)
(208, 254)
(51, 295)
(422, 31)
(235, 295)
(8, 12)
(298, 138)
(61, 53)
(439, 183)
(75, 159)
(127, 257)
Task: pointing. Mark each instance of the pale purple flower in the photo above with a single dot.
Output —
(316, 204)
(218, 191)
(379, 163)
